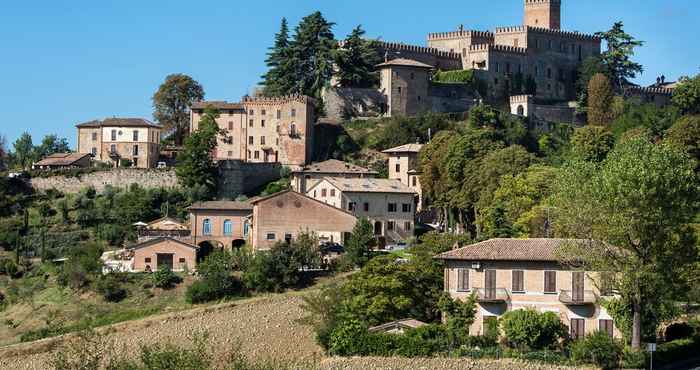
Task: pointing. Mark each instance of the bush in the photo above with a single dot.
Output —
(110, 286)
(165, 278)
(281, 267)
(677, 350)
(9, 268)
(633, 359)
(216, 280)
(529, 329)
(599, 349)
(352, 339)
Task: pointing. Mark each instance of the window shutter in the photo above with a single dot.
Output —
(518, 284)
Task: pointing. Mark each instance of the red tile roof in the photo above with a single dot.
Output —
(510, 250)
(61, 159)
(122, 122)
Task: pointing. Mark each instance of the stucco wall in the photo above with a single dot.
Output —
(187, 255)
(120, 178)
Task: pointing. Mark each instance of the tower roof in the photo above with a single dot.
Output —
(403, 62)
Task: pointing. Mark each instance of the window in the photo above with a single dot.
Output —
(250, 123)
(391, 207)
(366, 207)
(407, 226)
(270, 236)
(263, 112)
(549, 73)
(515, 42)
(229, 154)
(136, 135)
(550, 281)
(399, 90)
(136, 150)
(292, 130)
(606, 326)
(182, 260)
(279, 114)
(294, 112)
(114, 135)
(413, 76)
(245, 229)
(147, 259)
(332, 192)
(113, 148)
(518, 282)
(398, 167)
(206, 226)
(228, 227)
(324, 192)
(496, 67)
(578, 328)
(94, 151)
(390, 225)
(406, 207)
(414, 181)
(262, 123)
(462, 280)
(252, 112)
(256, 155)
(94, 136)
(251, 140)
(352, 206)
(549, 45)
(230, 125)
(262, 140)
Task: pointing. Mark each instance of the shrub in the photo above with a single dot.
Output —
(281, 267)
(9, 268)
(110, 286)
(677, 350)
(529, 329)
(352, 339)
(165, 278)
(633, 359)
(599, 349)
(216, 280)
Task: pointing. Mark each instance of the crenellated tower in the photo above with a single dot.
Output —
(543, 14)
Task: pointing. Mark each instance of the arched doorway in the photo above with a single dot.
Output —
(378, 228)
(206, 248)
(521, 110)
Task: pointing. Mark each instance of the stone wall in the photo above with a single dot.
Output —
(343, 103)
(120, 178)
(239, 177)
(557, 113)
(451, 97)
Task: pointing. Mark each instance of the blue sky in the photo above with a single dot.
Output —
(63, 62)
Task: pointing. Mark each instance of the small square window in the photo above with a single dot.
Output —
(323, 192)
(279, 114)
(256, 155)
(391, 207)
(366, 207)
(94, 136)
(147, 260)
(230, 125)
(263, 112)
(251, 140)
(271, 236)
(230, 154)
(182, 260)
(390, 225)
(332, 192)
(252, 112)
(294, 112)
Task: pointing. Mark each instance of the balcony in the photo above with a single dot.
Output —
(492, 295)
(580, 298)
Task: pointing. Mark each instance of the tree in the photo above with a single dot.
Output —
(458, 317)
(600, 101)
(617, 58)
(24, 151)
(592, 143)
(358, 248)
(634, 211)
(312, 55)
(686, 96)
(3, 153)
(685, 135)
(529, 329)
(196, 167)
(172, 102)
(279, 79)
(51, 144)
(356, 61)
(589, 68)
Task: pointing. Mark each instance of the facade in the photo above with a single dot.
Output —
(511, 274)
(164, 227)
(262, 129)
(388, 204)
(221, 224)
(114, 139)
(150, 255)
(404, 83)
(63, 161)
(404, 166)
(308, 176)
(282, 216)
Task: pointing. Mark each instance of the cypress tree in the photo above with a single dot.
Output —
(356, 61)
(600, 100)
(311, 62)
(278, 79)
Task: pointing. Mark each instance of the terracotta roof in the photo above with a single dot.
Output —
(335, 166)
(368, 185)
(222, 205)
(157, 240)
(509, 250)
(275, 195)
(403, 62)
(168, 220)
(220, 104)
(407, 148)
(61, 159)
(399, 324)
(124, 122)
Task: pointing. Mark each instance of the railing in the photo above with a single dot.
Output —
(577, 298)
(164, 233)
(492, 295)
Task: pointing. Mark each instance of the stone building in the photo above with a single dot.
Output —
(403, 166)
(219, 224)
(511, 274)
(115, 139)
(388, 204)
(308, 176)
(282, 216)
(262, 129)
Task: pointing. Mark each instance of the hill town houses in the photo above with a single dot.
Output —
(261, 135)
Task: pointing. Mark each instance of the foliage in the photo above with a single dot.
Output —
(397, 131)
(358, 248)
(352, 338)
(653, 313)
(600, 100)
(51, 144)
(617, 58)
(676, 350)
(196, 167)
(172, 102)
(685, 135)
(86, 351)
(276, 79)
(110, 286)
(462, 77)
(592, 143)
(165, 278)
(216, 281)
(637, 114)
(590, 67)
(82, 267)
(599, 349)
(458, 317)
(635, 229)
(686, 96)
(356, 60)
(530, 329)
(24, 154)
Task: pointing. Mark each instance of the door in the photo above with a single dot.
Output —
(378, 228)
(577, 282)
(163, 259)
(578, 328)
(490, 284)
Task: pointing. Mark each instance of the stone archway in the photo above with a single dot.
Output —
(521, 110)
(207, 247)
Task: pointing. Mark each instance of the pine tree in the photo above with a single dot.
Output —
(356, 61)
(600, 100)
(616, 60)
(311, 62)
(279, 80)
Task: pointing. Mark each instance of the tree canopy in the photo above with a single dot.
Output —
(172, 102)
(600, 100)
(196, 167)
(617, 59)
(356, 60)
(686, 96)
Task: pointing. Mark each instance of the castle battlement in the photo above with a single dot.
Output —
(420, 49)
(535, 2)
(568, 34)
(515, 99)
(274, 100)
(459, 35)
(649, 90)
(511, 29)
(498, 48)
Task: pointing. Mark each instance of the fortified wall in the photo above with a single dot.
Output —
(118, 178)
(239, 177)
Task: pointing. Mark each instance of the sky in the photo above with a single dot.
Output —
(64, 62)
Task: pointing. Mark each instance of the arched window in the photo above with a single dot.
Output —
(245, 229)
(228, 227)
(521, 110)
(293, 130)
(206, 227)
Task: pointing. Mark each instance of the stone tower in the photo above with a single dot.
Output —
(543, 14)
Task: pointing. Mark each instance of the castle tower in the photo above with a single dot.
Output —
(543, 14)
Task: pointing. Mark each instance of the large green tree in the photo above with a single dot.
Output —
(24, 154)
(279, 79)
(685, 135)
(172, 102)
(196, 168)
(359, 247)
(617, 59)
(356, 61)
(312, 54)
(686, 96)
(634, 209)
(592, 143)
(52, 144)
(600, 100)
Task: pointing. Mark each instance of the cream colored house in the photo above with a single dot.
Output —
(403, 166)
(511, 274)
(388, 204)
(114, 139)
(308, 176)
